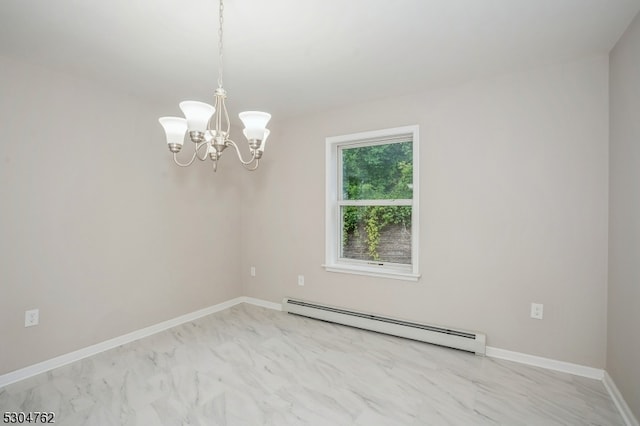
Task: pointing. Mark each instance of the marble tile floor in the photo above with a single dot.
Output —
(254, 366)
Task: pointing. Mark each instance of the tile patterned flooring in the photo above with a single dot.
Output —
(254, 366)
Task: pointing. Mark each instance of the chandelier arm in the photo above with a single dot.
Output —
(223, 108)
(198, 146)
(257, 163)
(245, 163)
(175, 159)
(213, 121)
(226, 115)
(193, 157)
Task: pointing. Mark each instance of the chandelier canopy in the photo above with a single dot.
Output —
(209, 126)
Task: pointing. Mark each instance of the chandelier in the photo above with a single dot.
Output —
(209, 126)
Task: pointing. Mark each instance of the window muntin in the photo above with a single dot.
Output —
(372, 203)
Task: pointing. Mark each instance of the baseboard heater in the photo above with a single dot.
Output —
(459, 339)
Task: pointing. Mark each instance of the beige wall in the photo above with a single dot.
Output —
(514, 210)
(98, 228)
(623, 337)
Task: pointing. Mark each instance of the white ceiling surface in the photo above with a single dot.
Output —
(292, 57)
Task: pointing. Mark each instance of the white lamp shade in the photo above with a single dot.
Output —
(175, 128)
(197, 114)
(255, 134)
(264, 141)
(255, 119)
(260, 135)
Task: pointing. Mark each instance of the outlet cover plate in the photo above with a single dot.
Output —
(537, 310)
(31, 317)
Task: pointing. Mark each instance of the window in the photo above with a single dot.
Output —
(372, 203)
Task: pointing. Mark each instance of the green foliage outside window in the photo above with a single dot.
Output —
(374, 173)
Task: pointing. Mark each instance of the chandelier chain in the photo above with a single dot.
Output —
(221, 20)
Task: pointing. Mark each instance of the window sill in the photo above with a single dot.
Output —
(372, 272)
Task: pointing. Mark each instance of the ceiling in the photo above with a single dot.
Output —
(292, 57)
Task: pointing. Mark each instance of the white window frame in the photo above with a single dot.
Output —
(333, 222)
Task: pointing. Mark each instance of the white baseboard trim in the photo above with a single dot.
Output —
(59, 361)
(548, 363)
(625, 411)
(263, 303)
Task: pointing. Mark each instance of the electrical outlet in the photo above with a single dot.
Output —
(31, 317)
(253, 271)
(537, 310)
(300, 280)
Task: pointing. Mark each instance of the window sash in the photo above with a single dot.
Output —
(368, 262)
(367, 143)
